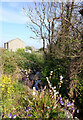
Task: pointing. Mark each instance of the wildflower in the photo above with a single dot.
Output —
(77, 110)
(51, 91)
(10, 115)
(47, 78)
(14, 116)
(26, 110)
(49, 82)
(54, 90)
(29, 115)
(73, 110)
(54, 87)
(51, 72)
(60, 98)
(62, 103)
(68, 104)
(29, 108)
(48, 107)
(56, 93)
(72, 104)
(61, 77)
(34, 91)
(61, 81)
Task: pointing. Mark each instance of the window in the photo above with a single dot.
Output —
(7, 45)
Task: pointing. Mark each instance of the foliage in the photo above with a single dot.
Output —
(80, 99)
(28, 48)
(21, 102)
(22, 60)
(7, 84)
(60, 68)
(12, 100)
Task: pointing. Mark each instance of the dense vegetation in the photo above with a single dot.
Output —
(60, 64)
(14, 62)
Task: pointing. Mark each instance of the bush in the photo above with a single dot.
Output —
(22, 60)
(60, 67)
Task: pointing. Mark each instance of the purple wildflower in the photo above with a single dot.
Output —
(10, 115)
(68, 104)
(77, 111)
(62, 103)
(28, 108)
(73, 109)
(14, 116)
(72, 104)
(29, 115)
(60, 98)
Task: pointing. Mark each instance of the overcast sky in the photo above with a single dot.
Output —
(13, 23)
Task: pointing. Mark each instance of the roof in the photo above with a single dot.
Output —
(15, 39)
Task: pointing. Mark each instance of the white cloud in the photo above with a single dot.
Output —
(13, 17)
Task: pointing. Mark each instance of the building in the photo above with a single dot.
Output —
(33, 48)
(14, 44)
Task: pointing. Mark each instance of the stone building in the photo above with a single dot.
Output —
(14, 44)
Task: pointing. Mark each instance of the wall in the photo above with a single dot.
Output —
(15, 44)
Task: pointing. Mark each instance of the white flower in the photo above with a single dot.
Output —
(54, 90)
(61, 77)
(49, 82)
(51, 72)
(48, 107)
(55, 87)
(50, 90)
(56, 93)
(14, 116)
(61, 81)
(47, 78)
(34, 91)
(10, 117)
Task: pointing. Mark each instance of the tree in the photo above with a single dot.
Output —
(59, 25)
(41, 16)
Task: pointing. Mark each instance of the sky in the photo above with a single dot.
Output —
(13, 24)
